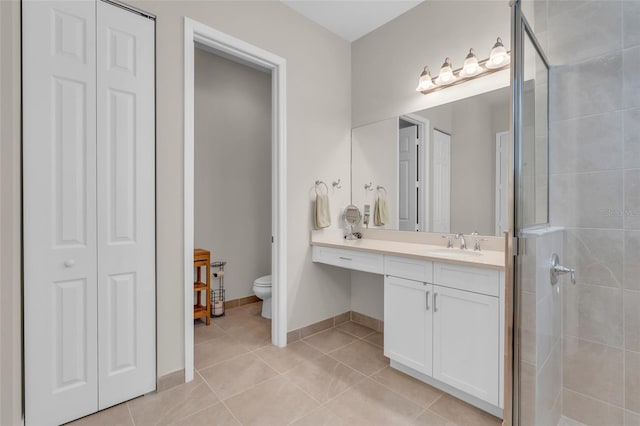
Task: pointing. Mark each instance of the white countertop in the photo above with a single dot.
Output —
(485, 258)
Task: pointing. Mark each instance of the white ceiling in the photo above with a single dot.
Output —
(353, 18)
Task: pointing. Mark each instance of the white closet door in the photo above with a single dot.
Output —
(408, 178)
(59, 170)
(126, 205)
(441, 182)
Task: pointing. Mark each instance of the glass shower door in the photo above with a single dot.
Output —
(537, 304)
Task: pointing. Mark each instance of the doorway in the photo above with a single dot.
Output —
(413, 173)
(244, 53)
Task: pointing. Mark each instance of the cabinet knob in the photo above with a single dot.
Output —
(69, 263)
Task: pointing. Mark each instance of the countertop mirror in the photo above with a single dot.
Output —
(442, 169)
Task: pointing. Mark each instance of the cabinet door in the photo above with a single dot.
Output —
(125, 205)
(59, 182)
(466, 342)
(407, 323)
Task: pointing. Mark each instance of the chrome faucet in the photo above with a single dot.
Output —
(463, 242)
(476, 246)
(449, 240)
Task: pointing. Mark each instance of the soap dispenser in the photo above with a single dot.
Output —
(365, 219)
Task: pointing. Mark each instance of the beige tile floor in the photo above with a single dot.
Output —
(335, 377)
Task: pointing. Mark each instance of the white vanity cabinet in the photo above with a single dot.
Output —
(466, 342)
(350, 259)
(443, 320)
(408, 323)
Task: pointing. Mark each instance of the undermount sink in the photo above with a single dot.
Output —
(454, 252)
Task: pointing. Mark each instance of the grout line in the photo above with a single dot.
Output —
(619, 348)
(303, 390)
(191, 413)
(221, 401)
(421, 413)
(595, 399)
(401, 395)
(247, 351)
(332, 350)
(442, 393)
(249, 388)
(133, 422)
(377, 371)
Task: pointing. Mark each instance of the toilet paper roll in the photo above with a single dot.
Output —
(218, 274)
(218, 307)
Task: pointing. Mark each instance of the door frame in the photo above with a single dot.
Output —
(247, 54)
(498, 181)
(424, 168)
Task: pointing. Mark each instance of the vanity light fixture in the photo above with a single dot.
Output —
(498, 59)
(425, 82)
(471, 66)
(446, 73)
(499, 56)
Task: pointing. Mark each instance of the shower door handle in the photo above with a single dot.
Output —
(557, 269)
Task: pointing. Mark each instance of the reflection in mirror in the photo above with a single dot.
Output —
(352, 218)
(535, 141)
(444, 168)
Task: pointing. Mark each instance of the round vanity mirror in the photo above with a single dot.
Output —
(352, 217)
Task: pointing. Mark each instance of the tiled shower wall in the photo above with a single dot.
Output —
(594, 50)
(541, 351)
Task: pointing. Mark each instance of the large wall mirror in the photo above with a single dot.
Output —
(442, 169)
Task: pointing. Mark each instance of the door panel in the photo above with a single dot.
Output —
(407, 324)
(59, 178)
(126, 205)
(70, 337)
(407, 178)
(466, 329)
(441, 182)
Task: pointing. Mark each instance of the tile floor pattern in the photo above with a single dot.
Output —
(335, 377)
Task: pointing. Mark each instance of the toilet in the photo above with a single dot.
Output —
(262, 289)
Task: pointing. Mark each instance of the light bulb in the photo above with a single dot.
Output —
(425, 82)
(498, 56)
(470, 66)
(446, 72)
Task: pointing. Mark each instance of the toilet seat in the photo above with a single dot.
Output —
(264, 281)
(262, 290)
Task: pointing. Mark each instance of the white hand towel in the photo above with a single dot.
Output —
(323, 213)
(381, 212)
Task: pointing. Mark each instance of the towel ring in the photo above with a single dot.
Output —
(382, 188)
(318, 183)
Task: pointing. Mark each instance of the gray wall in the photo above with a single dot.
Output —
(233, 169)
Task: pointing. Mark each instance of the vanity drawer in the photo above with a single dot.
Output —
(350, 259)
(411, 269)
(469, 278)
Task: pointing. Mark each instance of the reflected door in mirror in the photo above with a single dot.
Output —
(441, 182)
